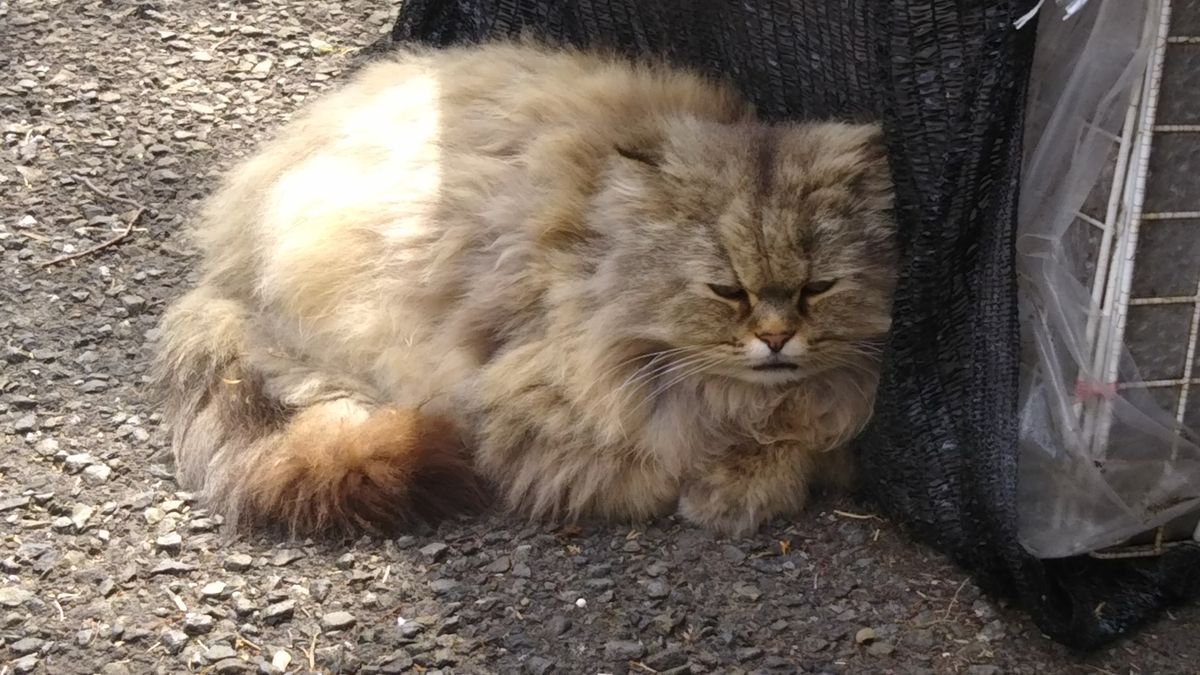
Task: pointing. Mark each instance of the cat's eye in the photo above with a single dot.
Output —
(734, 293)
(814, 288)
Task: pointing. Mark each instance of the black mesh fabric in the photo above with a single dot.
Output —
(947, 78)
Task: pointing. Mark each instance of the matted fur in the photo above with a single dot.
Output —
(563, 265)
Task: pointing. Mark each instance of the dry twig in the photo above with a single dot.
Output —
(121, 236)
(857, 516)
(92, 186)
(954, 600)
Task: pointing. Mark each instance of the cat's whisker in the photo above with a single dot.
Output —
(868, 347)
(633, 384)
(610, 370)
(849, 363)
(698, 369)
(862, 368)
(650, 370)
(702, 366)
(653, 356)
(613, 399)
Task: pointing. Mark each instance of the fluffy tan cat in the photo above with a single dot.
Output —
(596, 287)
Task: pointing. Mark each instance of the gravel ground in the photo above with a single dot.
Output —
(116, 116)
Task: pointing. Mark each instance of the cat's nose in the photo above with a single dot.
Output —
(775, 341)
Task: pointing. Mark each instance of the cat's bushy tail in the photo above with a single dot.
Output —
(280, 449)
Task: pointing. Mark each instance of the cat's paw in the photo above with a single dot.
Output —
(729, 508)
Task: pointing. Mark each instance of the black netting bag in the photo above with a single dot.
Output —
(948, 79)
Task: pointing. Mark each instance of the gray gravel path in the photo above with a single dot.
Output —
(116, 116)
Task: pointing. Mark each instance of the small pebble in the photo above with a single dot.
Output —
(450, 625)
(93, 386)
(743, 654)
(134, 303)
(219, 653)
(338, 621)
(657, 589)
(25, 424)
(279, 612)
(243, 606)
(732, 553)
(97, 474)
(286, 557)
(26, 645)
(623, 650)
(197, 624)
(746, 591)
(671, 657)
(14, 597)
(170, 541)
(202, 525)
(47, 447)
(80, 515)
(78, 462)
(170, 566)
(399, 662)
(13, 503)
(559, 625)
(319, 589)
(231, 666)
(881, 648)
(165, 176)
(435, 551)
(174, 640)
(25, 664)
(498, 566)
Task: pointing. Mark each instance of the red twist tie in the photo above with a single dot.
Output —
(1088, 389)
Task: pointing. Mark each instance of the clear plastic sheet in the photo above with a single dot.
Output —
(1100, 462)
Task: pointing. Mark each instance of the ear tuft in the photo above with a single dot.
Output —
(873, 179)
(639, 155)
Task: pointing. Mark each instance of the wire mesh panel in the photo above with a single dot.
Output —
(1165, 298)
(1163, 327)
(1109, 273)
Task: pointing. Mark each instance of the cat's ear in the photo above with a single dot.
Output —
(642, 144)
(872, 180)
(658, 143)
(640, 153)
(647, 154)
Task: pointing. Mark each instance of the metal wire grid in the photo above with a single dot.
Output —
(1116, 255)
(1187, 384)
(1119, 228)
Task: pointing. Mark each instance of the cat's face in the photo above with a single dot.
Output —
(760, 254)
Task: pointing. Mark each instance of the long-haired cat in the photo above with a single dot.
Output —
(593, 287)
